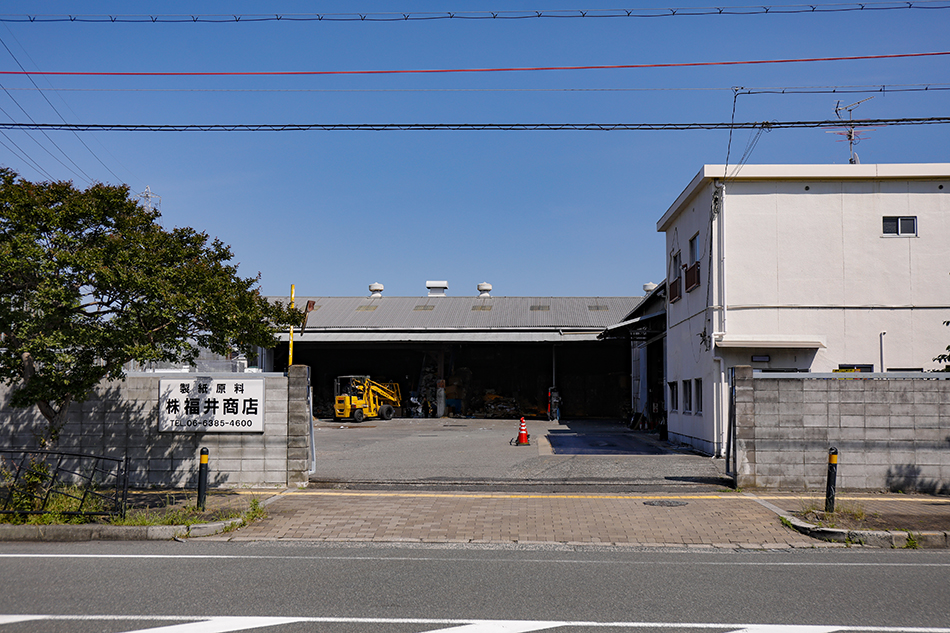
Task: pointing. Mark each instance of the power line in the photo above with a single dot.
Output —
(50, 103)
(22, 155)
(603, 127)
(882, 88)
(84, 175)
(262, 73)
(427, 16)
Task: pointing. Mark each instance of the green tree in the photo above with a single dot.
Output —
(944, 358)
(89, 280)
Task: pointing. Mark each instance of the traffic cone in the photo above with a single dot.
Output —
(523, 435)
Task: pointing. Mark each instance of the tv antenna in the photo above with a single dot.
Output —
(851, 133)
(147, 196)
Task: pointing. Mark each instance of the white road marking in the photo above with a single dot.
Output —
(12, 619)
(227, 624)
(781, 628)
(459, 559)
(500, 626)
(220, 625)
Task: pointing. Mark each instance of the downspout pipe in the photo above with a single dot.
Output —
(722, 413)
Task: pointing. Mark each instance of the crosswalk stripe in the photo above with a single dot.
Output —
(500, 626)
(13, 619)
(784, 628)
(220, 625)
(228, 624)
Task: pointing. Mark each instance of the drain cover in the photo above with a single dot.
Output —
(666, 503)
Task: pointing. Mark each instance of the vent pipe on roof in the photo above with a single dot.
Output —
(437, 288)
(484, 289)
(649, 287)
(376, 290)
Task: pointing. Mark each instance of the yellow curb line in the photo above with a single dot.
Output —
(476, 495)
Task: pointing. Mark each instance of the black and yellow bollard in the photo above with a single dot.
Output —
(202, 479)
(832, 479)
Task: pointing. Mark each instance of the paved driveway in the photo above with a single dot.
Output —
(459, 452)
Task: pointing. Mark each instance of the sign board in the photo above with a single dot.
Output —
(202, 404)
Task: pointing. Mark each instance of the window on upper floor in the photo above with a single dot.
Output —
(692, 270)
(675, 277)
(900, 225)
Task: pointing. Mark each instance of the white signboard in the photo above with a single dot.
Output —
(202, 404)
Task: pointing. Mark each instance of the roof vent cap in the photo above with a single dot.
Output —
(437, 288)
(376, 289)
(484, 289)
(649, 287)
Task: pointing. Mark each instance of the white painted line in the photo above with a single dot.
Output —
(225, 624)
(783, 628)
(500, 626)
(460, 559)
(13, 619)
(220, 625)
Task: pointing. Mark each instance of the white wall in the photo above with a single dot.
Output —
(687, 319)
(803, 256)
(815, 262)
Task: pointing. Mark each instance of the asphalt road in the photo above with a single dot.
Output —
(200, 587)
(463, 453)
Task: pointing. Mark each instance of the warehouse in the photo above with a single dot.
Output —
(492, 356)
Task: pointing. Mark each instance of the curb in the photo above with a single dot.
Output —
(73, 533)
(888, 539)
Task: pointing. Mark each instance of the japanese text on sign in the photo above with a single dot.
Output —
(206, 404)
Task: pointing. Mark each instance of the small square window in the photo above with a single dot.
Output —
(896, 225)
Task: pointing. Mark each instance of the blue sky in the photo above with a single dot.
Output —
(535, 213)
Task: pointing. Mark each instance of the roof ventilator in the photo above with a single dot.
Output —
(437, 288)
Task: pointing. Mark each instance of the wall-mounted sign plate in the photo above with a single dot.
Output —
(202, 404)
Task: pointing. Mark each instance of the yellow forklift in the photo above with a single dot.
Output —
(358, 397)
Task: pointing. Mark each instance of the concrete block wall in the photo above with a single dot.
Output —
(120, 418)
(891, 433)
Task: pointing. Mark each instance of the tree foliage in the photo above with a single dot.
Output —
(944, 358)
(89, 280)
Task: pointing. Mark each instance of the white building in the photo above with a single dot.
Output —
(812, 268)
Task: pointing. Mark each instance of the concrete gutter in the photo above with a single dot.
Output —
(98, 532)
(888, 539)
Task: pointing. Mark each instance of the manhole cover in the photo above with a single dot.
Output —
(666, 503)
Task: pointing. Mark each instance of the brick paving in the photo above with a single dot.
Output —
(720, 520)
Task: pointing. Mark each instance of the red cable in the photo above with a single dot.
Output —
(465, 70)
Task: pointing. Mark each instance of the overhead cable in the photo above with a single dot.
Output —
(785, 90)
(410, 16)
(50, 103)
(77, 73)
(601, 127)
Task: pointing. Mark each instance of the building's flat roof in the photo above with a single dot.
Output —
(886, 171)
(458, 319)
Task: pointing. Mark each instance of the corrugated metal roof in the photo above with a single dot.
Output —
(416, 336)
(419, 318)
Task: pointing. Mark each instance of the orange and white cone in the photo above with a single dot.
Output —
(523, 435)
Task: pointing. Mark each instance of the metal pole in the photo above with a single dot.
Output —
(203, 479)
(832, 477)
(290, 350)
